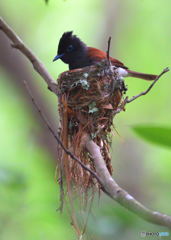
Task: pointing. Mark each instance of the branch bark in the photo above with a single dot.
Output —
(120, 195)
(37, 64)
(110, 187)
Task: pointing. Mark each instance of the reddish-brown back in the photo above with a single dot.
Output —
(98, 55)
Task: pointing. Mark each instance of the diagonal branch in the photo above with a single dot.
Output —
(127, 100)
(120, 195)
(37, 64)
(108, 184)
(150, 87)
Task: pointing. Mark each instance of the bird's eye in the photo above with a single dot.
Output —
(70, 48)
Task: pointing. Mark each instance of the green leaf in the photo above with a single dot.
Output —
(158, 135)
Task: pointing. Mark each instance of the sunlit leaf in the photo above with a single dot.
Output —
(157, 135)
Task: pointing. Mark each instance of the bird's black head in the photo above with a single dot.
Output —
(71, 50)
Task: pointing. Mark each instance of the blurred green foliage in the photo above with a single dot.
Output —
(140, 33)
(29, 195)
(155, 134)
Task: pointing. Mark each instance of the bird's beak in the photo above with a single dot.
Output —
(58, 57)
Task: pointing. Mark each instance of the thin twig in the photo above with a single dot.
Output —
(149, 88)
(58, 139)
(126, 100)
(113, 82)
(61, 205)
(108, 49)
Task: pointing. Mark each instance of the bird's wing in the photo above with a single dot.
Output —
(97, 55)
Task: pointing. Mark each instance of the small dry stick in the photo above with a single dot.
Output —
(108, 49)
(149, 88)
(109, 65)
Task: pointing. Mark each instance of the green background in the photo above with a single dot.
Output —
(29, 195)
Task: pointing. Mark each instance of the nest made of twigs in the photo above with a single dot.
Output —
(88, 101)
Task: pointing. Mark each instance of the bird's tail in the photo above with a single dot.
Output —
(144, 76)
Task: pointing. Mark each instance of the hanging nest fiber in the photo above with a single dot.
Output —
(89, 98)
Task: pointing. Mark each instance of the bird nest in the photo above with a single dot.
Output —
(89, 99)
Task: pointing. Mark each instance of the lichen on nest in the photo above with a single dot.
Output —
(88, 101)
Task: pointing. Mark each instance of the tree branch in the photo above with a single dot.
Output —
(37, 64)
(109, 186)
(120, 195)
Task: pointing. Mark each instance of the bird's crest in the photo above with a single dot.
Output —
(67, 39)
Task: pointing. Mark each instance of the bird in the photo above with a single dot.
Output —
(75, 53)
